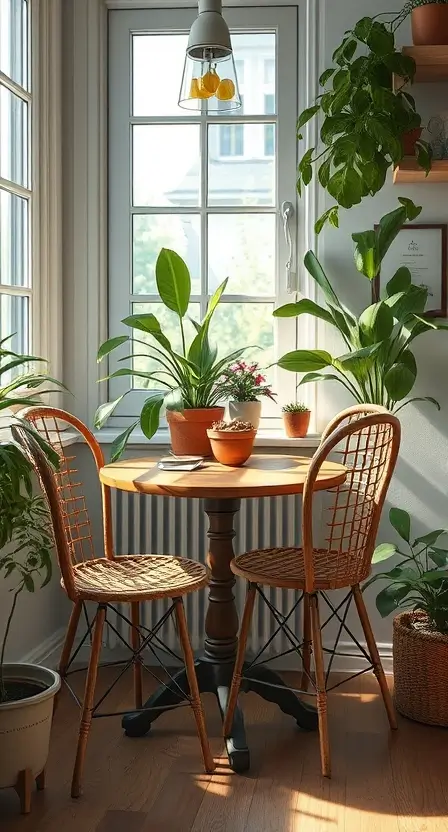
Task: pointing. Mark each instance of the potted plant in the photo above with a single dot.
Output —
(296, 419)
(363, 121)
(232, 441)
(378, 364)
(418, 585)
(244, 384)
(26, 691)
(191, 379)
(429, 21)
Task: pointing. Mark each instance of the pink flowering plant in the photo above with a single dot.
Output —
(243, 382)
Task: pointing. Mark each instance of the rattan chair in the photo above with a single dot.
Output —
(367, 444)
(109, 579)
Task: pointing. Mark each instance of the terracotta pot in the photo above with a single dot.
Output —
(25, 724)
(430, 25)
(246, 412)
(232, 447)
(297, 424)
(188, 430)
(409, 139)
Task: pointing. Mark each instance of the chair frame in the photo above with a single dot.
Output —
(141, 637)
(359, 418)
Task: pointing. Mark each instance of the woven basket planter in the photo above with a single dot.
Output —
(420, 670)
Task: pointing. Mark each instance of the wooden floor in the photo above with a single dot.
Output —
(381, 783)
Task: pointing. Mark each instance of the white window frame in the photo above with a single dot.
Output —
(122, 26)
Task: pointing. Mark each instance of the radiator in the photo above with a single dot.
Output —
(166, 525)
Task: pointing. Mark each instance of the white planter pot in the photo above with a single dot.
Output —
(25, 725)
(246, 412)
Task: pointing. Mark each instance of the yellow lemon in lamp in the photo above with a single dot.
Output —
(226, 90)
(203, 91)
(194, 88)
(211, 81)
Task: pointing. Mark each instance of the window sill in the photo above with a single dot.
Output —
(264, 439)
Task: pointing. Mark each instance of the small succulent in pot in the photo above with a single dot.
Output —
(232, 441)
(296, 419)
(244, 384)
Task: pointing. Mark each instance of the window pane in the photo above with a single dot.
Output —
(169, 322)
(14, 270)
(248, 181)
(252, 50)
(245, 325)
(242, 247)
(13, 137)
(14, 40)
(152, 56)
(14, 320)
(269, 139)
(154, 231)
(166, 165)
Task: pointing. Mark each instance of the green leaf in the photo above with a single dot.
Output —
(316, 271)
(438, 556)
(357, 361)
(150, 415)
(111, 345)
(311, 377)
(331, 215)
(418, 399)
(105, 411)
(399, 381)
(376, 323)
(307, 174)
(383, 552)
(380, 39)
(119, 444)
(424, 155)
(412, 210)
(173, 281)
(366, 146)
(304, 307)
(326, 75)
(401, 522)
(334, 125)
(324, 173)
(402, 65)
(430, 538)
(366, 255)
(304, 361)
(307, 115)
(363, 28)
(389, 599)
(28, 582)
(403, 304)
(345, 187)
(400, 282)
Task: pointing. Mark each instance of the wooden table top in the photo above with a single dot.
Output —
(263, 475)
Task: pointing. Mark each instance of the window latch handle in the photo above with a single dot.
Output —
(291, 275)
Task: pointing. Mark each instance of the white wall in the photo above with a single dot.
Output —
(420, 484)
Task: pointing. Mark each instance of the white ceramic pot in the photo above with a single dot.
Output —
(25, 725)
(246, 412)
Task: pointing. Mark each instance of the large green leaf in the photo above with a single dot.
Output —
(311, 377)
(105, 411)
(418, 399)
(307, 114)
(400, 282)
(390, 225)
(111, 345)
(345, 186)
(383, 552)
(173, 281)
(357, 361)
(316, 271)
(376, 323)
(150, 415)
(401, 522)
(304, 361)
(366, 256)
(399, 381)
(304, 307)
(389, 599)
(412, 301)
(430, 538)
(119, 444)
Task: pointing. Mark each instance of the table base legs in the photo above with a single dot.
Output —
(213, 678)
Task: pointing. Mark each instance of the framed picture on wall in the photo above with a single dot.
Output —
(423, 249)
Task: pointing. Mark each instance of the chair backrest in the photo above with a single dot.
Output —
(368, 446)
(50, 487)
(47, 421)
(351, 414)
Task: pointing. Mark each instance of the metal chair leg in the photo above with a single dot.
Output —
(320, 686)
(198, 711)
(375, 656)
(239, 661)
(87, 708)
(137, 667)
(306, 648)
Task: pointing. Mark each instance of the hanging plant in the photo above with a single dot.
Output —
(363, 119)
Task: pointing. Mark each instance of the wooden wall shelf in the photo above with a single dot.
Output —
(432, 62)
(409, 172)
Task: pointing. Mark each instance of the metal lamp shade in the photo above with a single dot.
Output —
(209, 82)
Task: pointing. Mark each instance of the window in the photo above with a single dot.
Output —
(15, 174)
(208, 186)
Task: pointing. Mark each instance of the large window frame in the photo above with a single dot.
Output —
(122, 26)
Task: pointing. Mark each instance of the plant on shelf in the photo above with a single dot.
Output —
(296, 419)
(190, 379)
(244, 384)
(429, 21)
(363, 121)
(417, 585)
(378, 365)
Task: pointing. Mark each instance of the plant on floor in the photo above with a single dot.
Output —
(191, 378)
(420, 580)
(363, 119)
(379, 365)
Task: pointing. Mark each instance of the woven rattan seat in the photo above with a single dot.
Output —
(137, 578)
(286, 568)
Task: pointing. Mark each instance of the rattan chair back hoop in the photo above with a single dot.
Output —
(368, 446)
(50, 487)
(47, 421)
(351, 414)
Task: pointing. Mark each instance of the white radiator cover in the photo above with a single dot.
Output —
(166, 525)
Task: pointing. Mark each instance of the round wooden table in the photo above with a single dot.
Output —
(222, 488)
